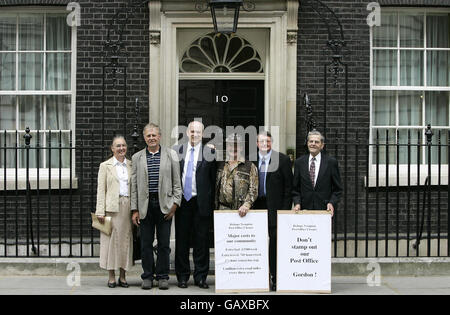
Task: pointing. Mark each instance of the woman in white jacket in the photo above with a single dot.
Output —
(113, 199)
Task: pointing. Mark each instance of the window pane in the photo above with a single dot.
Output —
(58, 71)
(189, 65)
(383, 146)
(58, 112)
(383, 108)
(56, 141)
(410, 108)
(438, 68)
(411, 68)
(8, 112)
(436, 108)
(385, 35)
(7, 32)
(7, 71)
(411, 30)
(410, 136)
(10, 153)
(31, 32)
(385, 67)
(438, 31)
(58, 35)
(30, 112)
(196, 61)
(443, 135)
(31, 69)
(31, 157)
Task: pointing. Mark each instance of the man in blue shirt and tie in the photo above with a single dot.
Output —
(192, 221)
(274, 190)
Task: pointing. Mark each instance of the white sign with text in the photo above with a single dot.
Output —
(241, 251)
(304, 251)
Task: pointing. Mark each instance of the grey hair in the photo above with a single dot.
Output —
(194, 121)
(316, 133)
(150, 126)
(117, 137)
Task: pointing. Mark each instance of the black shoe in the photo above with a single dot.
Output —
(111, 285)
(123, 284)
(182, 284)
(202, 284)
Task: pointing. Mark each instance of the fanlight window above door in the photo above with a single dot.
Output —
(221, 53)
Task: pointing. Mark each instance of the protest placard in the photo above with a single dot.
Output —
(304, 251)
(241, 251)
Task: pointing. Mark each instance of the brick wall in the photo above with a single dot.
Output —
(91, 37)
(313, 54)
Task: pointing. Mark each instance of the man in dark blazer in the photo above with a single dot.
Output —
(317, 181)
(198, 176)
(274, 190)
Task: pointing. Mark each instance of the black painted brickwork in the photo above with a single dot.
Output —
(312, 54)
(91, 36)
(33, 2)
(415, 3)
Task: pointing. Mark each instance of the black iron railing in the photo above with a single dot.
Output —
(395, 201)
(396, 193)
(48, 193)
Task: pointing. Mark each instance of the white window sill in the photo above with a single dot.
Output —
(19, 182)
(414, 180)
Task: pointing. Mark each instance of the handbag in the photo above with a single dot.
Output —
(105, 228)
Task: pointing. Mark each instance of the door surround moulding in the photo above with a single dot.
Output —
(280, 76)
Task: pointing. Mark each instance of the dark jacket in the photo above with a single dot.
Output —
(278, 184)
(328, 188)
(205, 177)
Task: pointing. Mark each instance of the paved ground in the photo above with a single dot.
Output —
(96, 285)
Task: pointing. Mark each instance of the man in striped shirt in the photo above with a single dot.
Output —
(155, 196)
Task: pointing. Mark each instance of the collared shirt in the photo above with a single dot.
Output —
(122, 174)
(266, 161)
(153, 162)
(317, 165)
(194, 170)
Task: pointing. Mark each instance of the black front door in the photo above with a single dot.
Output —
(222, 103)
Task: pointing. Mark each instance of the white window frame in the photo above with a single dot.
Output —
(58, 181)
(417, 176)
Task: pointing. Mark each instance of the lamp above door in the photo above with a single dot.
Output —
(224, 13)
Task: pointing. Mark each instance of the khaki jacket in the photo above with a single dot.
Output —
(169, 184)
(108, 187)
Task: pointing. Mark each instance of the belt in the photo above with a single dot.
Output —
(225, 205)
(120, 196)
(153, 195)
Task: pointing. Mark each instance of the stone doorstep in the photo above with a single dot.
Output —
(420, 266)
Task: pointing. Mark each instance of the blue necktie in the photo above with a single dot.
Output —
(262, 177)
(188, 178)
